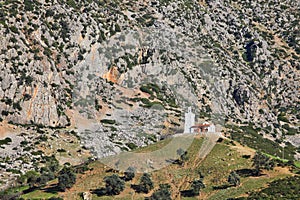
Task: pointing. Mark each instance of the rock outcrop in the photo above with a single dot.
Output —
(115, 62)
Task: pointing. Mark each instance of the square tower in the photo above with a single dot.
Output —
(189, 121)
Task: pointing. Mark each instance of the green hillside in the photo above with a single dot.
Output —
(226, 156)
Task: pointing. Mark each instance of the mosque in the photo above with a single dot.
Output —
(191, 127)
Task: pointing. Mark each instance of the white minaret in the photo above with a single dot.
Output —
(189, 121)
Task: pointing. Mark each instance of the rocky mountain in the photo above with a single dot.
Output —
(122, 73)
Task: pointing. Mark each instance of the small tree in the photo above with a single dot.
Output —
(43, 179)
(114, 184)
(30, 178)
(163, 193)
(234, 178)
(201, 176)
(197, 185)
(146, 183)
(66, 178)
(129, 174)
(183, 155)
(261, 161)
(52, 164)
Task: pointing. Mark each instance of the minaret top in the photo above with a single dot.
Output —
(189, 109)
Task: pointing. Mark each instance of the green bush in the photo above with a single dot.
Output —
(164, 192)
(72, 3)
(145, 185)
(17, 106)
(247, 135)
(114, 185)
(287, 188)
(66, 178)
(14, 29)
(282, 117)
(29, 5)
(131, 146)
(129, 174)
(5, 141)
(108, 121)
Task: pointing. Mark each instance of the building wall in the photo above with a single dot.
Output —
(189, 121)
(211, 128)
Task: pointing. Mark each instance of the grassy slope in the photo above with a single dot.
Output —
(216, 166)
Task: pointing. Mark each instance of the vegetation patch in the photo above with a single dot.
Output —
(288, 188)
(108, 121)
(6, 141)
(247, 135)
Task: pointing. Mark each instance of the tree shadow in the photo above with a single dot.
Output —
(174, 161)
(112, 170)
(31, 189)
(136, 188)
(99, 192)
(246, 156)
(54, 189)
(187, 193)
(248, 172)
(221, 187)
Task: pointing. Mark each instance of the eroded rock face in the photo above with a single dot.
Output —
(237, 59)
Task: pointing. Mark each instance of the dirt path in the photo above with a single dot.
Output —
(206, 147)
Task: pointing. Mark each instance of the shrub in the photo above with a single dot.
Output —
(197, 185)
(233, 178)
(261, 161)
(287, 188)
(5, 113)
(5, 141)
(17, 106)
(114, 184)
(14, 29)
(29, 5)
(72, 3)
(163, 193)
(61, 150)
(183, 155)
(66, 178)
(129, 174)
(247, 135)
(146, 184)
(108, 121)
(131, 146)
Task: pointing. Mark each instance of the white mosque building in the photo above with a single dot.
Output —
(191, 127)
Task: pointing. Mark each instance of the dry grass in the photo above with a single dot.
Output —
(216, 167)
(70, 144)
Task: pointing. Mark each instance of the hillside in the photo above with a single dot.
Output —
(225, 157)
(93, 80)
